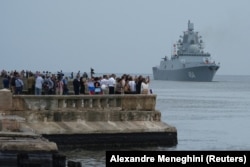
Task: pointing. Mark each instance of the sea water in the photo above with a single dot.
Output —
(208, 116)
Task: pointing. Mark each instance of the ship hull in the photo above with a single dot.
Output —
(198, 73)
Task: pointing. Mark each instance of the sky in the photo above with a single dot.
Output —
(119, 36)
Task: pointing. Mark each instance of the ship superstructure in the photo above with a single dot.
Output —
(189, 62)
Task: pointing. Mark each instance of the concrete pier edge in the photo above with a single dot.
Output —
(84, 121)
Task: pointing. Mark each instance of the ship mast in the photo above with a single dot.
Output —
(190, 26)
(174, 50)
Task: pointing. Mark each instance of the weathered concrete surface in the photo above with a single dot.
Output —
(10, 122)
(138, 102)
(5, 100)
(25, 142)
(27, 148)
(93, 120)
(97, 127)
(14, 138)
(88, 116)
(105, 135)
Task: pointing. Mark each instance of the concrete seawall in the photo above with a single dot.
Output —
(26, 148)
(91, 121)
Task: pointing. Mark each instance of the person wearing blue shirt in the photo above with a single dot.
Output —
(19, 85)
(6, 82)
(65, 86)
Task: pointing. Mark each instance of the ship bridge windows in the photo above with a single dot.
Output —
(194, 54)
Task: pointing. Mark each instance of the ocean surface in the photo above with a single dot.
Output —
(208, 116)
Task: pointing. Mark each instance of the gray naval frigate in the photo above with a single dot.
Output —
(189, 63)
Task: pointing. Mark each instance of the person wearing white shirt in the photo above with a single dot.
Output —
(104, 84)
(145, 86)
(111, 84)
(132, 85)
(38, 85)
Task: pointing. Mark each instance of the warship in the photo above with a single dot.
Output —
(188, 62)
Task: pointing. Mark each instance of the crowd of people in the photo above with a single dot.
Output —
(57, 84)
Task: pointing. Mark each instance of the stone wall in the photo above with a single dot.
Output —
(85, 121)
(86, 107)
(137, 102)
(5, 100)
(9, 125)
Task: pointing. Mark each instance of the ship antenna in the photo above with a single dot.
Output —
(171, 49)
(190, 26)
(175, 49)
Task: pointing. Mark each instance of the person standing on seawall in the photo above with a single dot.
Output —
(31, 83)
(138, 84)
(104, 84)
(97, 86)
(145, 86)
(82, 84)
(76, 85)
(6, 82)
(118, 86)
(19, 85)
(65, 86)
(132, 85)
(111, 83)
(50, 85)
(38, 85)
(59, 86)
(13, 82)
